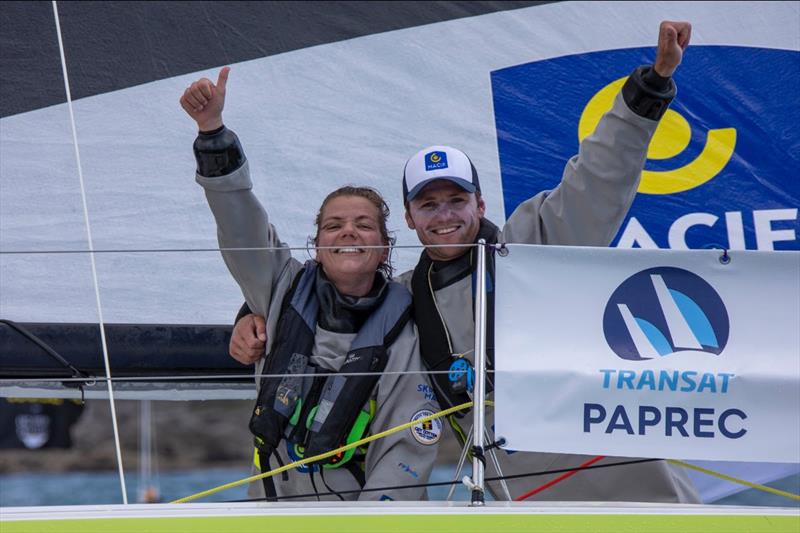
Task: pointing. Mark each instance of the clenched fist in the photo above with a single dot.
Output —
(673, 38)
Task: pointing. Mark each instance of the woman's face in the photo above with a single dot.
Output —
(350, 223)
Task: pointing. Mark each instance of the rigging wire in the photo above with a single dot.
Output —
(566, 473)
(91, 254)
(234, 249)
(108, 379)
(451, 483)
(77, 375)
(205, 377)
(589, 465)
(720, 475)
(559, 479)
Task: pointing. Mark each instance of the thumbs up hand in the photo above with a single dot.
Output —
(203, 101)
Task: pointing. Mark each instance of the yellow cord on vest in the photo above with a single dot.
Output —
(726, 477)
(326, 454)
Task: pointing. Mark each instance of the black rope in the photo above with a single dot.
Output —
(330, 490)
(454, 482)
(313, 485)
(85, 378)
(478, 451)
(499, 443)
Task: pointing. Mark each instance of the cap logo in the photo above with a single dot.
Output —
(435, 160)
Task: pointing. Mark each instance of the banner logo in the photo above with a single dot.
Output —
(718, 171)
(435, 160)
(665, 310)
(671, 138)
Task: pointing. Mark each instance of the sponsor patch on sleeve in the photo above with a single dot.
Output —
(429, 432)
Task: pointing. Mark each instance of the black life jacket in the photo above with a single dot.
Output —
(433, 336)
(318, 414)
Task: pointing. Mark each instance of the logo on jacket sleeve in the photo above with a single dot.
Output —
(427, 432)
(408, 470)
(435, 161)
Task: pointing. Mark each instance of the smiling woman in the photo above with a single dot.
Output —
(352, 239)
(333, 326)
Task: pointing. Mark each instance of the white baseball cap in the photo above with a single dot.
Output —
(438, 163)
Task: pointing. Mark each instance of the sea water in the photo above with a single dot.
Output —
(89, 488)
(86, 488)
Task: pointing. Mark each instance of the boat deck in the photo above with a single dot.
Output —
(398, 516)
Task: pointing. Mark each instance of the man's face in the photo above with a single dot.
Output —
(444, 213)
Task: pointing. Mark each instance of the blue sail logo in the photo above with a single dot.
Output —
(718, 171)
(665, 310)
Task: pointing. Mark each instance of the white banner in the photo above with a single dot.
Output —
(649, 353)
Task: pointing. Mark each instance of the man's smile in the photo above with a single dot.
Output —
(446, 230)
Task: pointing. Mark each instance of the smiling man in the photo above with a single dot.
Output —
(442, 197)
(446, 210)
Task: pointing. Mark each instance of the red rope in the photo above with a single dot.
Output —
(559, 479)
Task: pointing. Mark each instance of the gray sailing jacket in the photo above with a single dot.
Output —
(402, 394)
(586, 209)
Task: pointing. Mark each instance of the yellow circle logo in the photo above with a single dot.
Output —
(435, 158)
(670, 139)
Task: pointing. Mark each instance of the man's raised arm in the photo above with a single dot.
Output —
(599, 184)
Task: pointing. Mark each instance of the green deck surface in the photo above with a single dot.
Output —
(417, 523)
